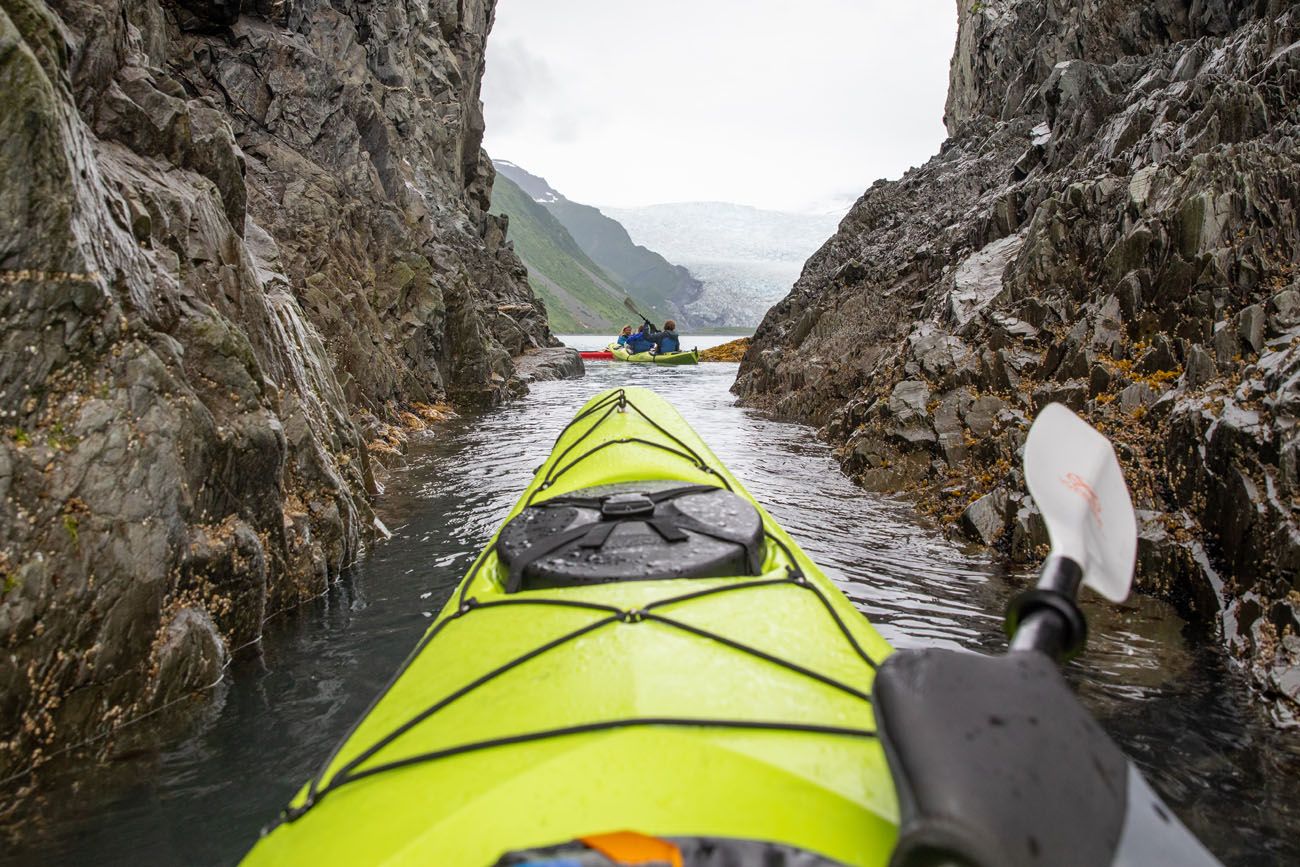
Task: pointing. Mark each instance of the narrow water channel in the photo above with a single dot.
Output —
(1166, 692)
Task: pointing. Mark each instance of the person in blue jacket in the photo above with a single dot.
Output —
(666, 339)
(625, 335)
(640, 341)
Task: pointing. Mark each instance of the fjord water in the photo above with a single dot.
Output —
(1167, 693)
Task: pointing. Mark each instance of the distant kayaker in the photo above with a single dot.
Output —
(625, 335)
(667, 339)
(640, 341)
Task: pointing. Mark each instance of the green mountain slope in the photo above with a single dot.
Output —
(645, 273)
(648, 277)
(580, 296)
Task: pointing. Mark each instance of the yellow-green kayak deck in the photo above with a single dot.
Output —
(722, 707)
(686, 356)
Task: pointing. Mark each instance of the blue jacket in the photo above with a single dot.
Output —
(667, 341)
(639, 342)
(623, 338)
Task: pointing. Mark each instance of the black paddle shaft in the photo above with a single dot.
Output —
(1047, 618)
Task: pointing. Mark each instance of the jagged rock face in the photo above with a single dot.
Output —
(1007, 49)
(1111, 225)
(225, 229)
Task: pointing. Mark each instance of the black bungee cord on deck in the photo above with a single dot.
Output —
(319, 786)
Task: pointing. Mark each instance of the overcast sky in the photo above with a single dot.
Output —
(786, 104)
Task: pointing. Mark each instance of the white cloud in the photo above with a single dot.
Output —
(765, 102)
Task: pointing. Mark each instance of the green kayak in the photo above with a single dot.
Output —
(641, 657)
(686, 356)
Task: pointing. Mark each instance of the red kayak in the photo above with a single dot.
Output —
(597, 355)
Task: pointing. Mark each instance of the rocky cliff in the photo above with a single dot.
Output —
(233, 235)
(1111, 224)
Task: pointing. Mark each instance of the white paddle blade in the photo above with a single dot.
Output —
(1075, 478)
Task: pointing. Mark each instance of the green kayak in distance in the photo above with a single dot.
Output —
(640, 648)
(686, 356)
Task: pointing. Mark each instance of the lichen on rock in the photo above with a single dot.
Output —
(732, 350)
(230, 234)
(1110, 225)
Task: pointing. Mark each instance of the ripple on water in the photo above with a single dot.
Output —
(1176, 705)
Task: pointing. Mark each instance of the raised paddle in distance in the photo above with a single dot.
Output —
(627, 302)
(996, 762)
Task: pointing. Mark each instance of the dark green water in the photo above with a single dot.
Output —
(1166, 693)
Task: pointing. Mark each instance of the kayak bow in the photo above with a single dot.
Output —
(707, 681)
(643, 668)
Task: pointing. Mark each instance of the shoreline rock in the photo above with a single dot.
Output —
(230, 233)
(541, 365)
(1110, 225)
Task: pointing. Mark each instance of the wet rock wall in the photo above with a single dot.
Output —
(235, 239)
(1111, 224)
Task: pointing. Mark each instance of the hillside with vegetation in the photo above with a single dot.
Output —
(647, 275)
(650, 279)
(580, 296)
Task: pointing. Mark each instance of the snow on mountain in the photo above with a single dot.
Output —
(537, 188)
(748, 258)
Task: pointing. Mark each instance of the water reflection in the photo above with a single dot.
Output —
(1175, 705)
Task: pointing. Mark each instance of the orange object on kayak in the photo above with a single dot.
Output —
(597, 355)
(631, 848)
